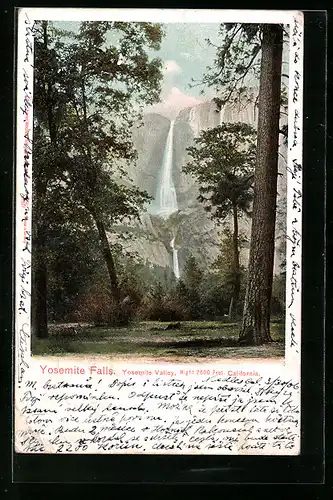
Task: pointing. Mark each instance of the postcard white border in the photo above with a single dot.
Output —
(23, 239)
(164, 15)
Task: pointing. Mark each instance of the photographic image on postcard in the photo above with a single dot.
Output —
(147, 148)
(158, 231)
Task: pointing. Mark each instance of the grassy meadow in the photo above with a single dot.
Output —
(187, 341)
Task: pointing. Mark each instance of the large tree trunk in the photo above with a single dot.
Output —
(39, 290)
(107, 255)
(236, 269)
(118, 309)
(256, 316)
(39, 283)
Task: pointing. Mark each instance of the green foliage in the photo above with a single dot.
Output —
(214, 299)
(79, 288)
(163, 307)
(223, 162)
(237, 61)
(235, 72)
(205, 292)
(223, 264)
(278, 303)
(89, 87)
(199, 294)
(192, 279)
(73, 260)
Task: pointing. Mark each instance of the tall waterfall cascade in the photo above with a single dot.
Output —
(175, 259)
(222, 115)
(166, 197)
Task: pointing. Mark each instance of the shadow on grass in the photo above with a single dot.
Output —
(197, 338)
(184, 327)
(204, 343)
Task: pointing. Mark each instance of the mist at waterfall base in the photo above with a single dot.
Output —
(165, 203)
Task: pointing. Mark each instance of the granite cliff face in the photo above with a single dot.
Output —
(190, 227)
(149, 138)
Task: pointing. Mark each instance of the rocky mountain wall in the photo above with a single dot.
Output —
(191, 226)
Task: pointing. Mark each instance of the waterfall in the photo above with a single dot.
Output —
(222, 115)
(166, 199)
(175, 259)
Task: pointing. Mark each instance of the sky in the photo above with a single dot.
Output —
(185, 55)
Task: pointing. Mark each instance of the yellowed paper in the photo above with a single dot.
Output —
(178, 398)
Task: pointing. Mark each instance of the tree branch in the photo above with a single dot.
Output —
(225, 49)
(242, 77)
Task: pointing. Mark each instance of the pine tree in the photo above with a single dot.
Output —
(225, 269)
(256, 318)
(191, 279)
(250, 52)
(222, 161)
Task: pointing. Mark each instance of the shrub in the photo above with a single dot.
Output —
(94, 305)
(160, 305)
(97, 306)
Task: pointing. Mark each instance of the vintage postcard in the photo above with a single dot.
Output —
(158, 231)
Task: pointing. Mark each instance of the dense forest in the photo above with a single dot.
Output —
(91, 86)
